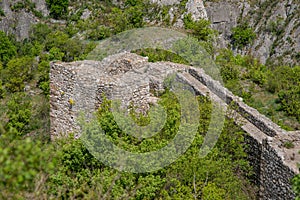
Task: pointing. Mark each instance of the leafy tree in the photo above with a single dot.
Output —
(22, 163)
(56, 39)
(200, 29)
(30, 48)
(99, 32)
(289, 77)
(290, 102)
(213, 192)
(2, 91)
(60, 46)
(17, 72)
(7, 48)
(58, 8)
(117, 20)
(19, 114)
(2, 14)
(39, 32)
(44, 82)
(286, 87)
(296, 186)
(242, 36)
(55, 54)
(135, 15)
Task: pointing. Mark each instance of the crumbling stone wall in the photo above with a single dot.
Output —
(78, 86)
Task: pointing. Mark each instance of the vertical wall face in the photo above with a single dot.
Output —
(61, 113)
(275, 176)
(270, 174)
(253, 151)
(72, 93)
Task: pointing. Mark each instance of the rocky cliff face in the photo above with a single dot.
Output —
(20, 15)
(276, 23)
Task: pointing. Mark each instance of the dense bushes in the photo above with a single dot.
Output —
(58, 8)
(249, 79)
(287, 88)
(19, 113)
(289, 101)
(66, 169)
(7, 48)
(17, 72)
(200, 29)
(296, 186)
(24, 77)
(22, 163)
(242, 36)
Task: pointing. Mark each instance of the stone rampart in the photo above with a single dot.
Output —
(79, 86)
(273, 163)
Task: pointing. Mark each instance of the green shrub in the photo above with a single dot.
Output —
(60, 46)
(296, 186)
(39, 32)
(99, 33)
(44, 82)
(58, 8)
(242, 36)
(7, 48)
(155, 55)
(290, 101)
(18, 72)
(199, 29)
(134, 16)
(289, 145)
(23, 162)
(2, 14)
(2, 90)
(19, 113)
(229, 72)
(118, 20)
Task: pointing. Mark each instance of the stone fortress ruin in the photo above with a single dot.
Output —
(78, 87)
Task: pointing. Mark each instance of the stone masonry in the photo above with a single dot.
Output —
(78, 87)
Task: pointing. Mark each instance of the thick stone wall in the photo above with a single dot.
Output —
(273, 164)
(260, 121)
(275, 175)
(78, 86)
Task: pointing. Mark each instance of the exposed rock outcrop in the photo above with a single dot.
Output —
(276, 24)
(18, 22)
